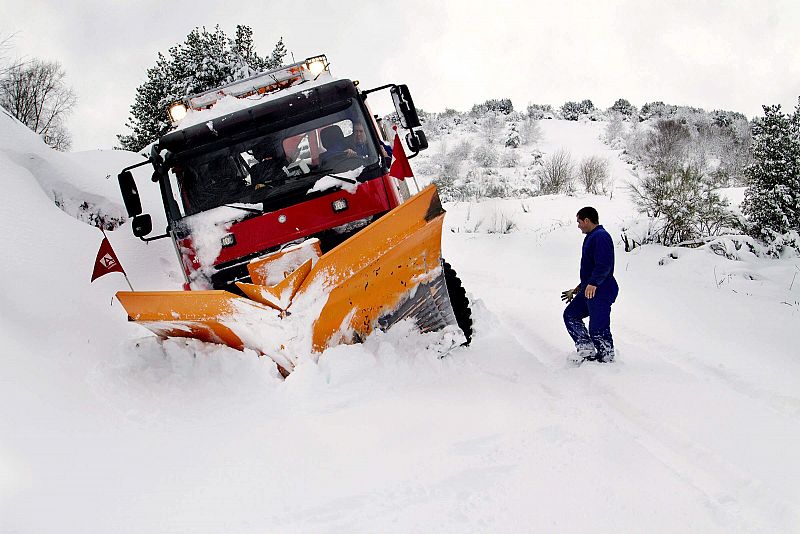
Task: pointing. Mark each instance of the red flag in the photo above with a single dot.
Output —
(106, 261)
(400, 168)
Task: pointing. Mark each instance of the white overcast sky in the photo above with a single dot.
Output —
(734, 55)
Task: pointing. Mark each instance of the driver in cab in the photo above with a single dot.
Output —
(338, 147)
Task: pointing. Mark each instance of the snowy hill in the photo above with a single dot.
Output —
(105, 429)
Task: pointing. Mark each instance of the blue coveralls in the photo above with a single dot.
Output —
(597, 269)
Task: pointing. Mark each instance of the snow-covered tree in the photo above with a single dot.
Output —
(624, 108)
(772, 198)
(658, 110)
(540, 111)
(572, 111)
(204, 61)
(502, 105)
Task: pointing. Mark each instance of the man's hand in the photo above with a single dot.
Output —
(568, 295)
(589, 293)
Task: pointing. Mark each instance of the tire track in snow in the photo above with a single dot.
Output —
(728, 489)
(784, 404)
(743, 500)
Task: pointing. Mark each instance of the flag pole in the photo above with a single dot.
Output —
(123, 270)
(127, 280)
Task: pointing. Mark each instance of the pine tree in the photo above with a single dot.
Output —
(772, 198)
(623, 107)
(204, 61)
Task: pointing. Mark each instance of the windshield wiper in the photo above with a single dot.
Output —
(342, 178)
(243, 208)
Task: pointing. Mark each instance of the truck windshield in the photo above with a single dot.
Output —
(267, 166)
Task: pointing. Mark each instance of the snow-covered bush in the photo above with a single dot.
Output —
(447, 168)
(636, 140)
(572, 111)
(491, 125)
(557, 175)
(502, 105)
(657, 110)
(513, 140)
(624, 109)
(461, 150)
(509, 159)
(593, 175)
(493, 186)
(682, 206)
(614, 134)
(725, 119)
(485, 155)
(772, 199)
(540, 111)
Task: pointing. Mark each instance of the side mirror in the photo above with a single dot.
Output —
(404, 106)
(130, 194)
(142, 225)
(416, 140)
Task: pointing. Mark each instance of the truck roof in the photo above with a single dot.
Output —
(228, 104)
(233, 116)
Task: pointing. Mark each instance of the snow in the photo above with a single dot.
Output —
(207, 230)
(345, 180)
(230, 104)
(103, 428)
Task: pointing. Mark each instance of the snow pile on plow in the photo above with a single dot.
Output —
(389, 271)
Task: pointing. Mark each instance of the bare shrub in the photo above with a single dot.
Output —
(593, 175)
(667, 147)
(36, 93)
(557, 174)
(500, 223)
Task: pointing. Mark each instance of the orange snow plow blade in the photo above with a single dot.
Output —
(195, 314)
(389, 271)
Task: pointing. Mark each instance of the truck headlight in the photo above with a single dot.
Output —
(177, 112)
(228, 240)
(316, 64)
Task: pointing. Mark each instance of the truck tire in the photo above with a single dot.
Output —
(459, 301)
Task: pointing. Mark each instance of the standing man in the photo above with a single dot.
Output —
(595, 294)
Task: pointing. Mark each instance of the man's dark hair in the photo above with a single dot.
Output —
(589, 213)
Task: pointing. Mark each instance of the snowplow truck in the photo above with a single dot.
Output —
(292, 235)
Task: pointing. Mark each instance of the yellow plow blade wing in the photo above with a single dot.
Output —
(371, 274)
